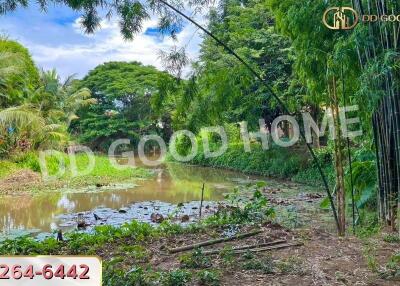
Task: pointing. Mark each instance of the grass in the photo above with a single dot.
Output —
(369, 253)
(103, 173)
(287, 163)
(127, 257)
(195, 260)
(265, 264)
(391, 238)
(391, 271)
(6, 168)
(209, 278)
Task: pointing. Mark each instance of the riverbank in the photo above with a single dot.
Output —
(139, 254)
(294, 163)
(21, 174)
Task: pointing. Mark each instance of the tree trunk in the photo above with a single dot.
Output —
(339, 146)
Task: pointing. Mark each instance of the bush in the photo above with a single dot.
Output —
(195, 260)
(266, 264)
(209, 278)
(276, 162)
(177, 278)
(27, 160)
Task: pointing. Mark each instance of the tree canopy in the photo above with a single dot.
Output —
(18, 73)
(123, 91)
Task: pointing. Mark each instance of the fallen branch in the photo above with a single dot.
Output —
(214, 241)
(217, 251)
(279, 246)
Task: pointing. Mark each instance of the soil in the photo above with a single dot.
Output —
(323, 259)
(19, 181)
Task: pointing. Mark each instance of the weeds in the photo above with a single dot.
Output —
(227, 255)
(28, 246)
(254, 210)
(265, 264)
(195, 260)
(369, 252)
(209, 278)
(289, 217)
(292, 265)
(137, 252)
(391, 238)
(177, 278)
(392, 268)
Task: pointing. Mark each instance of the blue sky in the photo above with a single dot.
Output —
(56, 40)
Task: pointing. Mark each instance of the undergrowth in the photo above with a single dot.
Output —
(129, 264)
(103, 172)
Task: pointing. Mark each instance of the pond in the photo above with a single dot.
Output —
(172, 184)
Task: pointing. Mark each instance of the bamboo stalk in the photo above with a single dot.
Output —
(214, 241)
(217, 251)
(262, 249)
(340, 194)
(353, 210)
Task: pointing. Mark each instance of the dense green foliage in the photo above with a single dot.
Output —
(37, 107)
(130, 239)
(285, 42)
(18, 73)
(224, 91)
(123, 92)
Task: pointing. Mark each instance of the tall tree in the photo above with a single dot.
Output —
(123, 91)
(18, 73)
(228, 92)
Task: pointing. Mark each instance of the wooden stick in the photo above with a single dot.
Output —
(60, 235)
(279, 246)
(217, 251)
(202, 198)
(214, 241)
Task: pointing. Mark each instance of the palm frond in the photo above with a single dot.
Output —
(21, 117)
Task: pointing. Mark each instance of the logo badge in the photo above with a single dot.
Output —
(344, 18)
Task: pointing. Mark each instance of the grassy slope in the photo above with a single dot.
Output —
(286, 163)
(103, 172)
(7, 167)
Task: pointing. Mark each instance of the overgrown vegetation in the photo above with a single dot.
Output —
(102, 174)
(303, 64)
(117, 271)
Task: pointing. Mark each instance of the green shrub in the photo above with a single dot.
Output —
(27, 160)
(265, 264)
(177, 278)
(391, 238)
(392, 268)
(209, 278)
(195, 260)
(276, 162)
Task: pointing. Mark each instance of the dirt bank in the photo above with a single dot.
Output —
(19, 181)
(323, 259)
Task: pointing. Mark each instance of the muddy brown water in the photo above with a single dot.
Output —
(171, 184)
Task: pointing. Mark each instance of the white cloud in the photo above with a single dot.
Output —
(71, 51)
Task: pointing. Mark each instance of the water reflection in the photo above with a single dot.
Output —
(172, 183)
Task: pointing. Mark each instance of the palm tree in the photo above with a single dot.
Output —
(44, 118)
(26, 124)
(10, 65)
